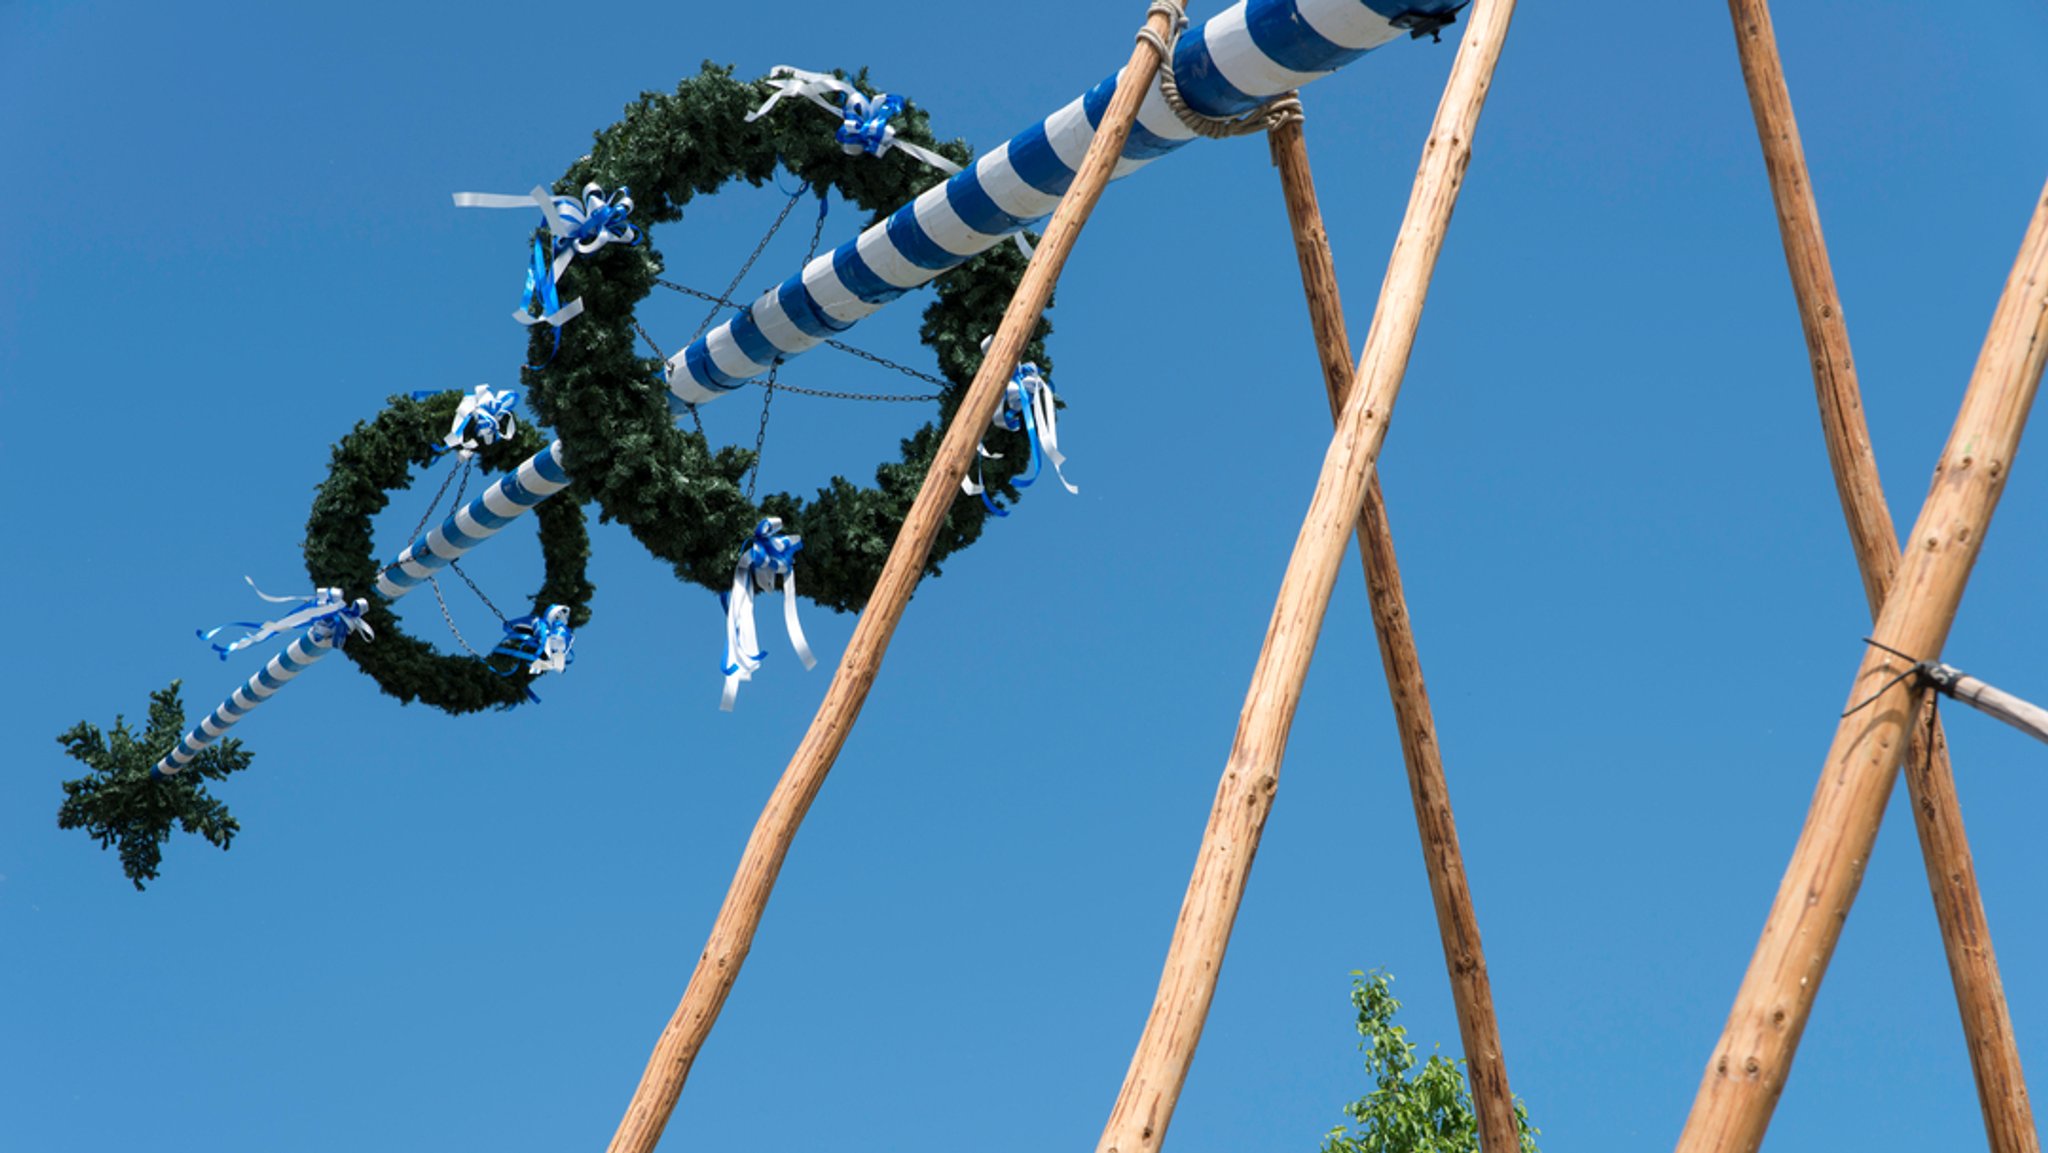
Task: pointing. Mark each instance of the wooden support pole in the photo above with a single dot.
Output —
(733, 932)
(1144, 1106)
(1457, 921)
(1937, 813)
(1754, 1055)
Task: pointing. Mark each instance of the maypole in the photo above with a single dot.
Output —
(1930, 781)
(1144, 1106)
(1754, 1055)
(732, 934)
(535, 480)
(1456, 918)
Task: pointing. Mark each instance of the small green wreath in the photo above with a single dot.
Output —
(371, 463)
(608, 405)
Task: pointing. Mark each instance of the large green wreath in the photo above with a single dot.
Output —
(609, 404)
(376, 460)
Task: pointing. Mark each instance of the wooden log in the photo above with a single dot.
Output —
(1937, 813)
(732, 934)
(1456, 919)
(1754, 1055)
(1151, 1088)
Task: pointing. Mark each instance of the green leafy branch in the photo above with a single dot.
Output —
(118, 803)
(1411, 1109)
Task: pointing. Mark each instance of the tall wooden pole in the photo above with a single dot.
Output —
(1951, 874)
(733, 932)
(1754, 1055)
(1457, 921)
(1144, 1107)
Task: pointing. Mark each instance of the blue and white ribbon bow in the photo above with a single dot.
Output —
(545, 639)
(325, 612)
(769, 553)
(579, 227)
(1030, 407)
(484, 417)
(863, 120)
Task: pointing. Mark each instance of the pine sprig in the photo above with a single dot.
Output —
(120, 806)
(683, 501)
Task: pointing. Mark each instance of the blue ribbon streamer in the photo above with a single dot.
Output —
(545, 640)
(323, 613)
(865, 122)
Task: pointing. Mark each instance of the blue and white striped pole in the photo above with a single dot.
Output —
(314, 643)
(536, 479)
(1253, 51)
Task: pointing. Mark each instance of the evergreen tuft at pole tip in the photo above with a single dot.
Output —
(122, 806)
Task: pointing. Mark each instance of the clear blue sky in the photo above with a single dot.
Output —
(1634, 598)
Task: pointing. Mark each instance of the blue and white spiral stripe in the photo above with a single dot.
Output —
(535, 480)
(297, 657)
(1252, 52)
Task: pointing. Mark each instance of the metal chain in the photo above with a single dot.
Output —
(480, 595)
(774, 228)
(841, 345)
(438, 493)
(761, 433)
(831, 395)
(695, 419)
(439, 600)
(768, 389)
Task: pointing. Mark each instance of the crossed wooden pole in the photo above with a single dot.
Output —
(1914, 599)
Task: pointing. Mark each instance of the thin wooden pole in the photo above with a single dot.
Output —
(1754, 1055)
(1456, 919)
(1144, 1107)
(733, 932)
(1937, 813)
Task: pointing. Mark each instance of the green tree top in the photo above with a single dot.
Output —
(122, 807)
(1410, 1109)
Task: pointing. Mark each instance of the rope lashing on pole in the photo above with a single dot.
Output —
(1956, 684)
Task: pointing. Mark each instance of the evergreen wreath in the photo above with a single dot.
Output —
(371, 463)
(609, 404)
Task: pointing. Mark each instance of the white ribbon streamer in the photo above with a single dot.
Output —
(768, 554)
(554, 654)
(324, 607)
(491, 413)
(852, 112)
(569, 221)
(1027, 387)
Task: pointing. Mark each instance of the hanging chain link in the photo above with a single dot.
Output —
(695, 418)
(768, 388)
(446, 616)
(774, 228)
(841, 345)
(480, 595)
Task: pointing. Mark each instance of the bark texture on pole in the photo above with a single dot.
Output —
(1754, 1055)
(1937, 814)
(1144, 1106)
(1457, 921)
(733, 932)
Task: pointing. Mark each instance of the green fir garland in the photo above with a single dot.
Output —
(370, 464)
(609, 404)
